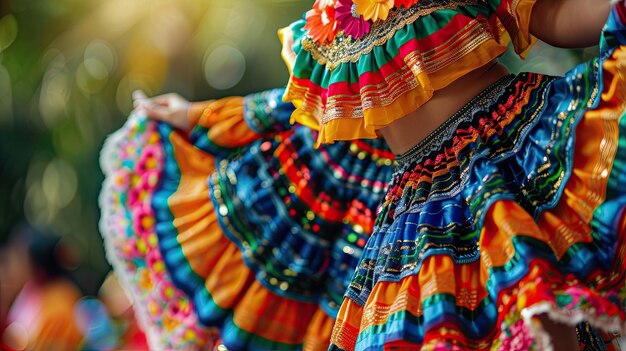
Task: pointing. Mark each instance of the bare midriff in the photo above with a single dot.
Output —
(406, 132)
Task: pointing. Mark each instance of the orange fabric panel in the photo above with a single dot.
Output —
(273, 317)
(230, 278)
(317, 337)
(224, 120)
(199, 234)
(347, 325)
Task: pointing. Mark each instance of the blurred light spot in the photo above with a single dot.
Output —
(224, 67)
(145, 61)
(99, 61)
(96, 68)
(125, 88)
(8, 31)
(55, 91)
(36, 209)
(91, 81)
(20, 5)
(103, 53)
(50, 186)
(169, 29)
(59, 183)
(245, 23)
(15, 336)
(6, 97)
(120, 15)
(95, 324)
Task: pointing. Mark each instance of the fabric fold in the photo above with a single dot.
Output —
(261, 237)
(349, 88)
(511, 211)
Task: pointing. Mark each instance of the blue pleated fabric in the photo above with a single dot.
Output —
(294, 216)
(512, 209)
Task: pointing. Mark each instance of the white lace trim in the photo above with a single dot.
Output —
(567, 317)
(109, 235)
(157, 339)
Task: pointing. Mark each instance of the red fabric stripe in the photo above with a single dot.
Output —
(396, 64)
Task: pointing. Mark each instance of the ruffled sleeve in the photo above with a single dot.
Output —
(223, 124)
(514, 16)
(349, 88)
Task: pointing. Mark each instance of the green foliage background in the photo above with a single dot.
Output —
(67, 69)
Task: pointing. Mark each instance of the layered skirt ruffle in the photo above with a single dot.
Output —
(132, 159)
(263, 238)
(513, 209)
(349, 88)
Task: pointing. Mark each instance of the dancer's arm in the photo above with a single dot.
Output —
(569, 23)
(265, 111)
(170, 108)
(227, 122)
(210, 125)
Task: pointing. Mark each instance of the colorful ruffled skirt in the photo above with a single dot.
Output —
(513, 209)
(252, 245)
(131, 160)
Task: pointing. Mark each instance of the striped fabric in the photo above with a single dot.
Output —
(512, 209)
(349, 88)
(261, 236)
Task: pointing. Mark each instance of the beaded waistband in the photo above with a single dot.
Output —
(436, 138)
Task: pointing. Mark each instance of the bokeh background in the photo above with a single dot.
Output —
(67, 70)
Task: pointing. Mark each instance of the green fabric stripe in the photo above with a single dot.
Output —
(306, 67)
(619, 163)
(252, 341)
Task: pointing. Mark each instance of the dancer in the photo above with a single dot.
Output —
(41, 296)
(503, 226)
(226, 217)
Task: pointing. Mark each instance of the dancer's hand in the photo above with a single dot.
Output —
(170, 108)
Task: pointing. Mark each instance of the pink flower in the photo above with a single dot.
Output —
(143, 222)
(351, 22)
(138, 197)
(121, 179)
(129, 249)
(518, 338)
(149, 180)
(150, 159)
(167, 291)
(580, 296)
(142, 189)
(152, 257)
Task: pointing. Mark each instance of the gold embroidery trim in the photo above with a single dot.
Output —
(347, 49)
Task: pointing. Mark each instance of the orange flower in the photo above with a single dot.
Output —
(321, 24)
(321, 4)
(373, 9)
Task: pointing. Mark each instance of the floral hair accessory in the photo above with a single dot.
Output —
(350, 21)
(373, 9)
(321, 22)
(325, 3)
(352, 18)
(357, 66)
